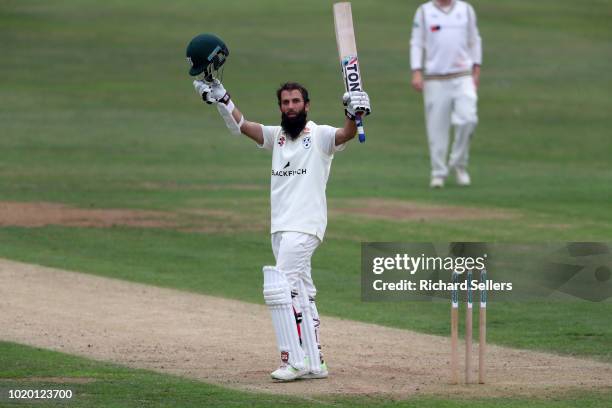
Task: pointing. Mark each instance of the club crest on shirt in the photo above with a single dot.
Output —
(306, 142)
(281, 141)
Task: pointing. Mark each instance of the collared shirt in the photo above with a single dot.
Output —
(300, 170)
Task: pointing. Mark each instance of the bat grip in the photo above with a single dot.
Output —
(360, 129)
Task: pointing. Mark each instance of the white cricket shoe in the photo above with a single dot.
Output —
(463, 177)
(288, 373)
(436, 182)
(324, 373)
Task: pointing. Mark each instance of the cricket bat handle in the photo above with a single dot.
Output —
(360, 129)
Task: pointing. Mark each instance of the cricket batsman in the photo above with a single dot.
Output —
(302, 153)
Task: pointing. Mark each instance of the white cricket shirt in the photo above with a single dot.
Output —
(445, 41)
(300, 169)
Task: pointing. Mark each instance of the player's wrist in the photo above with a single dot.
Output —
(349, 115)
(225, 99)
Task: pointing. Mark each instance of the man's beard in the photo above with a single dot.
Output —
(293, 126)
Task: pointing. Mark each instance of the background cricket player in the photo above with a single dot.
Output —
(302, 152)
(445, 57)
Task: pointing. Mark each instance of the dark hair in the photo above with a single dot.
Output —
(292, 86)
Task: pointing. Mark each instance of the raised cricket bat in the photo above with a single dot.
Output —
(347, 50)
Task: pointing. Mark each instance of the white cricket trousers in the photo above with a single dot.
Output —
(293, 252)
(449, 101)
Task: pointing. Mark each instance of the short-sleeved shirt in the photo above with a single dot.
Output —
(300, 170)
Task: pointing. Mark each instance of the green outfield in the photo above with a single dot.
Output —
(95, 384)
(97, 112)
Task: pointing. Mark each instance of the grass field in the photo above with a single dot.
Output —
(106, 385)
(97, 111)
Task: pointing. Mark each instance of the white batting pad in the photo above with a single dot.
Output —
(277, 296)
(309, 337)
(317, 323)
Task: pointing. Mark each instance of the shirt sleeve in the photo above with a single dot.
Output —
(326, 140)
(268, 136)
(474, 40)
(417, 40)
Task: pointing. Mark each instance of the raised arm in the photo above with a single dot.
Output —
(355, 103)
(215, 93)
(347, 132)
(250, 129)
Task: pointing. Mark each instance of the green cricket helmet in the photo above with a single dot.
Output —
(206, 53)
